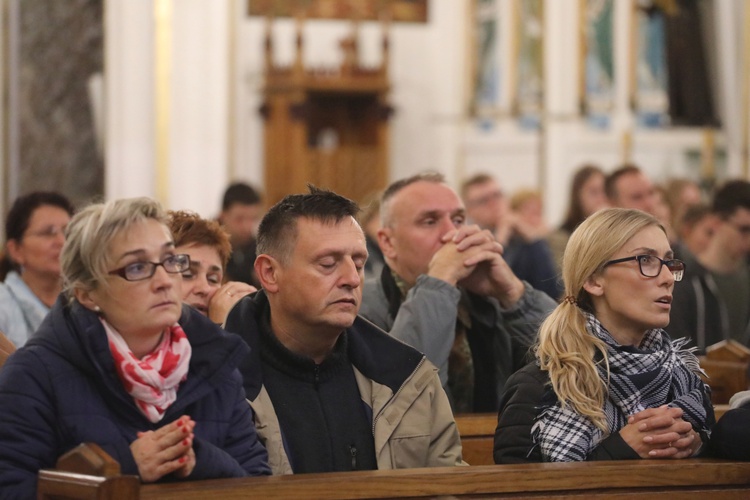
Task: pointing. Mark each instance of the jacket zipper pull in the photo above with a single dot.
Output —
(353, 451)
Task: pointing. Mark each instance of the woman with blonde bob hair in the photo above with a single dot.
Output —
(608, 383)
(120, 362)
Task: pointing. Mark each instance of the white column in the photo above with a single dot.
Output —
(196, 170)
(562, 61)
(129, 84)
(728, 29)
(199, 108)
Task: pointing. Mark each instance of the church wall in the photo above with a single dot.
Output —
(213, 132)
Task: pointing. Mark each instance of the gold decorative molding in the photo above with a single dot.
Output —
(412, 11)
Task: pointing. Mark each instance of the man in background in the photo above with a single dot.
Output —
(447, 291)
(629, 187)
(524, 248)
(712, 303)
(241, 211)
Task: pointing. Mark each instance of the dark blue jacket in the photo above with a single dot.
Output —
(61, 389)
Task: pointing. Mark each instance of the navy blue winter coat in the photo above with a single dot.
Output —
(61, 389)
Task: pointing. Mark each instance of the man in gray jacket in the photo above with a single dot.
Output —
(447, 291)
(330, 391)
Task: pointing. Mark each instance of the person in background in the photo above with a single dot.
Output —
(695, 231)
(525, 251)
(715, 303)
(586, 197)
(447, 291)
(682, 194)
(207, 245)
(370, 222)
(730, 437)
(120, 362)
(629, 187)
(608, 383)
(30, 267)
(331, 391)
(528, 208)
(241, 211)
(663, 213)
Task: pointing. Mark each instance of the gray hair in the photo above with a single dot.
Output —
(85, 255)
(395, 187)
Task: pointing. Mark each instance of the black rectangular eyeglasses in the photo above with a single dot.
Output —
(650, 265)
(142, 270)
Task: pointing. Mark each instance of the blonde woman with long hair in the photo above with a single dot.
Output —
(608, 383)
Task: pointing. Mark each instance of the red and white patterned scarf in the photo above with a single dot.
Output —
(152, 381)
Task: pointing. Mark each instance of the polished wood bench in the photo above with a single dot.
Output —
(726, 364)
(693, 478)
(477, 432)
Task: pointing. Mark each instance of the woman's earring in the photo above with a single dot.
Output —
(97, 309)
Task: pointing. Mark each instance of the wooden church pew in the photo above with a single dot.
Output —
(693, 478)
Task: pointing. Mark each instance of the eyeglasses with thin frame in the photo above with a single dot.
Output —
(48, 232)
(142, 270)
(650, 265)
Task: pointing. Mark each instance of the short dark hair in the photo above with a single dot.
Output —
(17, 220)
(693, 214)
(611, 181)
(240, 193)
(474, 180)
(278, 229)
(731, 196)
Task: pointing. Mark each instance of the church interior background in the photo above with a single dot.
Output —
(176, 98)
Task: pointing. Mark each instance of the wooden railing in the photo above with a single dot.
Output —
(478, 433)
(692, 478)
(726, 364)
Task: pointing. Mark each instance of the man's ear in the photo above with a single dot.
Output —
(267, 269)
(594, 285)
(385, 241)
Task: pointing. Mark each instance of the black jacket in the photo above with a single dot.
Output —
(698, 310)
(527, 391)
(61, 389)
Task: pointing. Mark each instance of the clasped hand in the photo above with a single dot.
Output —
(472, 258)
(661, 433)
(166, 450)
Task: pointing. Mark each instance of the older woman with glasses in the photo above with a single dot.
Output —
(30, 267)
(120, 362)
(608, 383)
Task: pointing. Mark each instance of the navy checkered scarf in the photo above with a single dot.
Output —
(658, 372)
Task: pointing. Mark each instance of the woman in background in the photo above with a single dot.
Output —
(607, 382)
(30, 267)
(586, 197)
(208, 246)
(119, 362)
